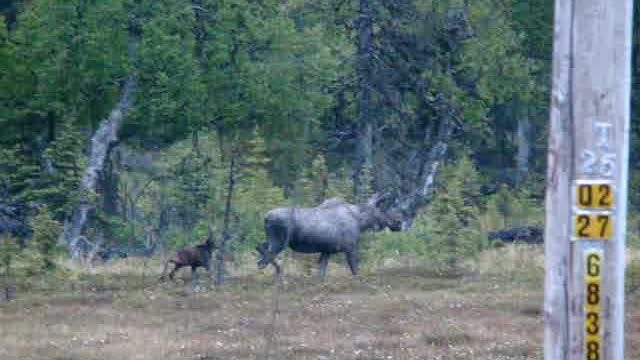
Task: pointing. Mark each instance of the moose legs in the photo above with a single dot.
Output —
(324, 261)
(176, 267)
(263, 251)
(353, 259)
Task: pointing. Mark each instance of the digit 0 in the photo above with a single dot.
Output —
(585, 195)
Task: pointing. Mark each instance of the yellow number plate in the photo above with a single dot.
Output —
(593, 226)
(595, 196)
(593, 298)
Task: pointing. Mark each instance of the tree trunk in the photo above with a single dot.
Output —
(524, 147)
(365, 96)
(102, 139)
(109, 182)
(220, 268)
(409, 205)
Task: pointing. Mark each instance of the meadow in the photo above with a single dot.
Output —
(393, 310)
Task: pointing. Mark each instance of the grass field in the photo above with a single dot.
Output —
(492, 311)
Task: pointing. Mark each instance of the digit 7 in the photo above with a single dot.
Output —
(603, 229)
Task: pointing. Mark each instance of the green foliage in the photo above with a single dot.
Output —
(447, 231)
(503, 71)
(63, 66)
(218, 71)
(366, 183)
(115, 229)
(18, 172)
(7, 68)
(509, 208)
(192, 188)
(632, 277)
(54, 181)
(42, 246)
(312, 187)
(451, 220)
(9, 252)
(255, 196)
(319, 173)
(59, 180)
(169, 90)
(340, 185)
(411, 244)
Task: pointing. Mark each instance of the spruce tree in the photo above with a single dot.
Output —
(60, 173)
(452, 217)
(8, 253)
(192, 187)
(43, 242)
(320, 178)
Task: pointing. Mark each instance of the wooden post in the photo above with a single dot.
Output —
(587, 180)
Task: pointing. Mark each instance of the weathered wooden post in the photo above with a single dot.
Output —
(587, 180)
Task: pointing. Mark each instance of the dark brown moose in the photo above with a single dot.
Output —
(194, 256)
(332, 227)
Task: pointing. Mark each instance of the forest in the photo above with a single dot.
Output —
(232, 108)
(132, 128)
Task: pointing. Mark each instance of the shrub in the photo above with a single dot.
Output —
(632, 277)
(9, 252)
(509, 208)
(451, 220)
(42, 246)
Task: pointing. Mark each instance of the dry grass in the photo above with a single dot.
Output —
(492, 312)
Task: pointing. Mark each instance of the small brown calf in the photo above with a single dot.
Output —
(194, 256)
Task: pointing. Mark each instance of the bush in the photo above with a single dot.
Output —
(387, 245)
(9, 252)
(451, 220)
(632, 277)
(43, 245)
(176, 238)
(447, 231)
(509, 208)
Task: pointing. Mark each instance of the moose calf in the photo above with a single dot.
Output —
(194, 256)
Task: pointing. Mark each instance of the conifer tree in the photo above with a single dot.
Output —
(61, 171)
(452, 217)
(8, 253)
(192, 187)
(320, 176)
(43, 242)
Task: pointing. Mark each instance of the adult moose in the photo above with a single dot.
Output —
(194, 256)
(332, 227)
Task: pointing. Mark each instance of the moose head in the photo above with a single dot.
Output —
(373, 215)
